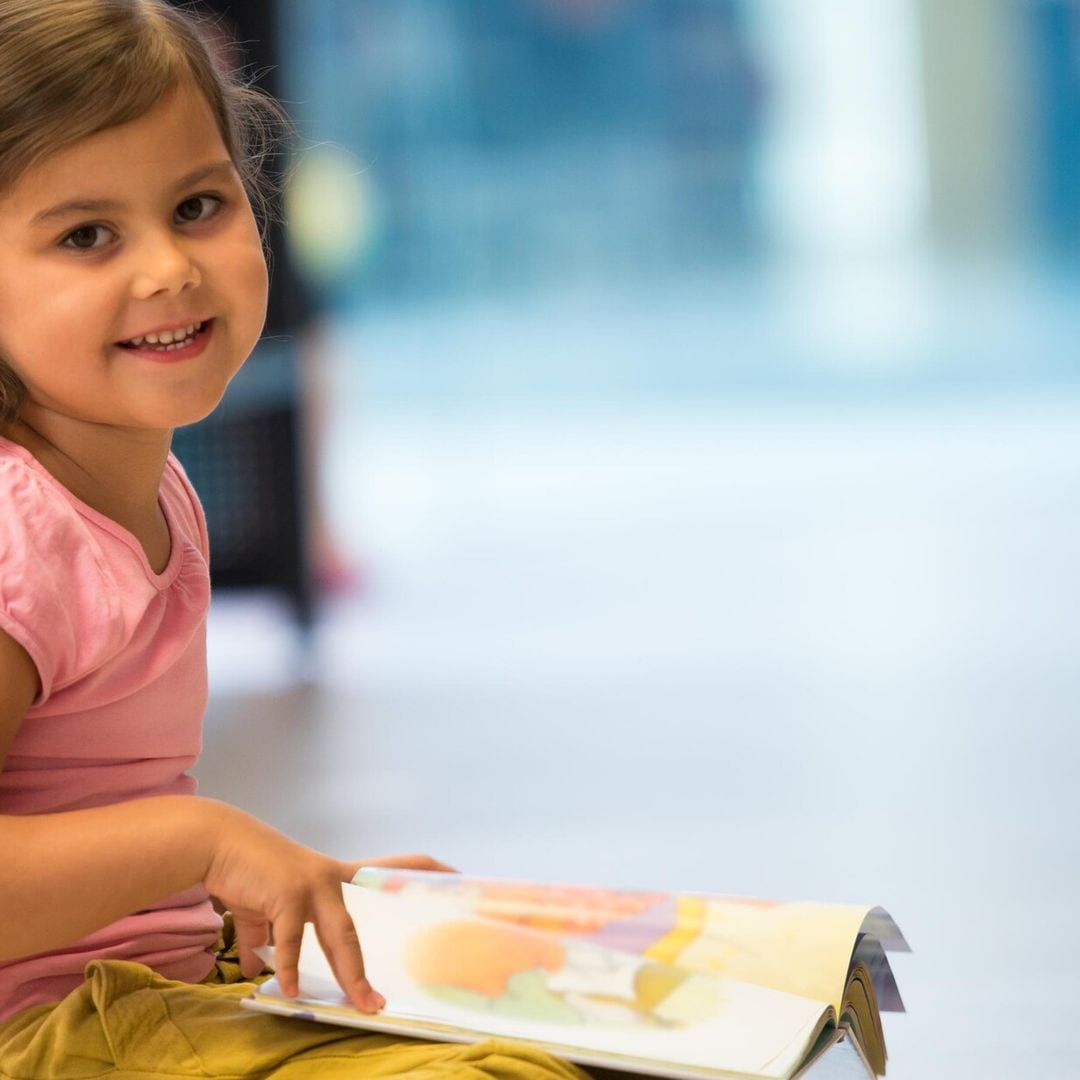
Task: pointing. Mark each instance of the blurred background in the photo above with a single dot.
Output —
(691, 416)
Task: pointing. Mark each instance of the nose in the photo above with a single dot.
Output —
(163, 267)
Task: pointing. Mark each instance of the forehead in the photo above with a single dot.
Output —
(141, 157)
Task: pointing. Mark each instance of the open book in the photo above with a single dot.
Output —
(669, 984)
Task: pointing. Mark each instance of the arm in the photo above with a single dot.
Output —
(65, 875)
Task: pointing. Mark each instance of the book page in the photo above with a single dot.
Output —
(443, 968)
(798, 948)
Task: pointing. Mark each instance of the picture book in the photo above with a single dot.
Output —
(667, 984)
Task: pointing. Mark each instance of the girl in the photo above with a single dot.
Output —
(132, 287)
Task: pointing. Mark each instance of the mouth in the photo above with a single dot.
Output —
(176, 344)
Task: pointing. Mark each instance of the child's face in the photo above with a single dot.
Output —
(162, 250)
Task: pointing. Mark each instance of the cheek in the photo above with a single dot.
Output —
(42, 311)
(260, 285)
(252, 280)
(34, 324)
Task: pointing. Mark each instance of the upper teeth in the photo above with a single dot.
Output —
(165, 337)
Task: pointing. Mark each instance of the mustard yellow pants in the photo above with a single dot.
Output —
(127, 1023)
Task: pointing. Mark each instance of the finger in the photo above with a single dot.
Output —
(288, 932)
(252, 932)
(337, 935)
(405, 862)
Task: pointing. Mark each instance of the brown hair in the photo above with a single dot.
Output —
(72, 68)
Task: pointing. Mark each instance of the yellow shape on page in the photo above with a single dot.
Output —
(799, 948)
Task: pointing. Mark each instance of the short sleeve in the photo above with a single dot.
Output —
(57, 597)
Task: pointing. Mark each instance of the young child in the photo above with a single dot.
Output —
(132, 287)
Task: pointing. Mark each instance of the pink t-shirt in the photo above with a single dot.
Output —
(121, 654)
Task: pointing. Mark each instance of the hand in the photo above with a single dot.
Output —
(273, 886)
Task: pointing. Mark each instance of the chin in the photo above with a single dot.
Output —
(186, 419)
(176, 414)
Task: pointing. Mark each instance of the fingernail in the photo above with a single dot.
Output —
(374, 1000)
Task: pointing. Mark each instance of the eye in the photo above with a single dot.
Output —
(85, 237)
(198, 208)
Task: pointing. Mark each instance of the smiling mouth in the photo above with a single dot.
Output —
(168, 340)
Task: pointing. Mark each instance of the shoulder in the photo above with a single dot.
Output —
(57, 597)
(21, 478)
(35, 513)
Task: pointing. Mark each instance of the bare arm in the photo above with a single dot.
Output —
(65, 875)
(18, 686)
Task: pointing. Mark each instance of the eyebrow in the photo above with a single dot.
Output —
(97, 206)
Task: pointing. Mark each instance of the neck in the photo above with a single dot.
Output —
(115, 470)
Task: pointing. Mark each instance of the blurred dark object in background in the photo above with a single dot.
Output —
(244, 462)
(245, 459)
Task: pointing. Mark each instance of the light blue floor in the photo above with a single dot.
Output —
(813, 651)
